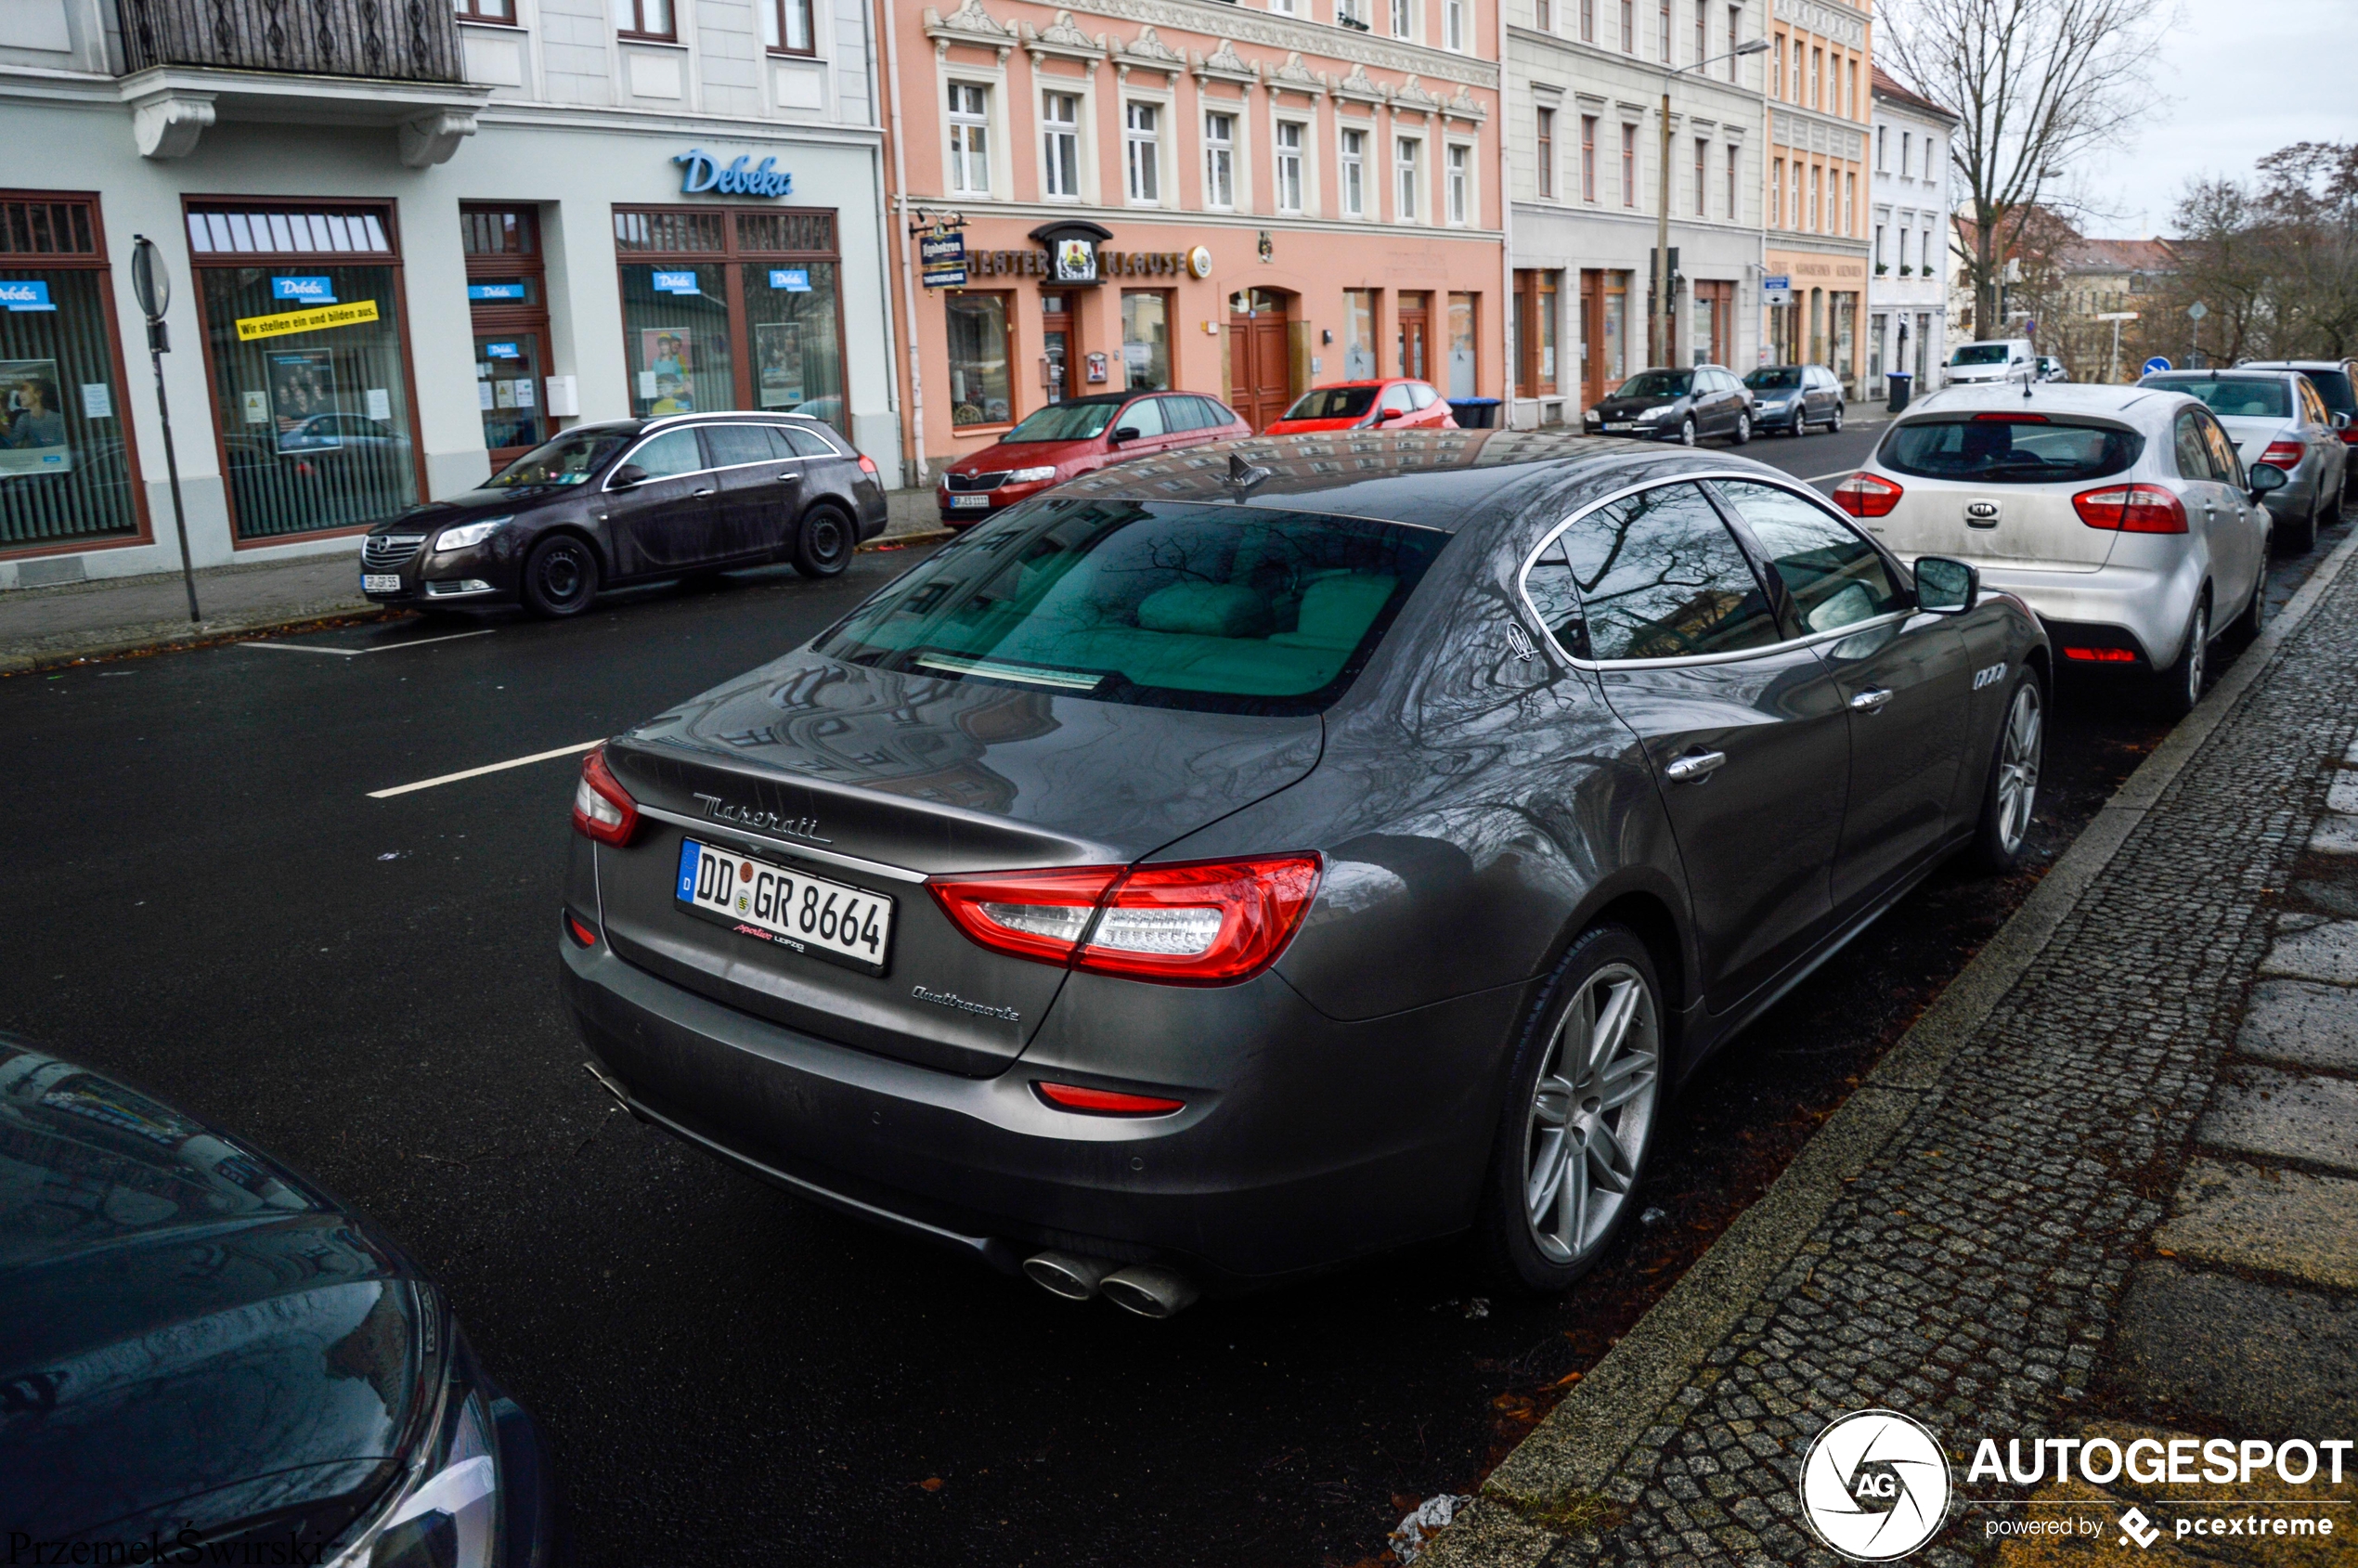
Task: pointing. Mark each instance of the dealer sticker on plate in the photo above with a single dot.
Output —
(810, 914)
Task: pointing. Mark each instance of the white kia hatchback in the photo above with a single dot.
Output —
(2122, 515)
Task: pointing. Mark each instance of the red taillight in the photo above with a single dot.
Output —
(2131, 509)
(2286, 455)
(2100, 655)
(867, 465)
(601, 808)
(1202, 922)
(1867, 495)
(1105, 1102)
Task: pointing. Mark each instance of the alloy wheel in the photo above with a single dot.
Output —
(2018, 756)
(1687, 431)
(1591, 1114)
(2198, 657)
(1833, 425)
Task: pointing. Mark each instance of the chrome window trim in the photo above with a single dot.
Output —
(716, 827)
(647, 438)
(1523, 580)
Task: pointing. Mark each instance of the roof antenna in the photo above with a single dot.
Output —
(1244, 477)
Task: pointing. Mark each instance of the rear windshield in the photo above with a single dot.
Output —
(569, 460)
(1657, 383)
(1776, 378)
(2005, 451)
(2235, 397)
(1163, 605)
(1335, 403)
(1067, 421)
(1981, 354)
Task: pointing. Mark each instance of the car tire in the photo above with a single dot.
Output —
(1686, 431)
(560, 577)
(1556, 1136)
(2302, 537)
(1744, 430)
(1833, 421)
(2254, 619)
(2010, 794)
(823, 543)
(2180, 687)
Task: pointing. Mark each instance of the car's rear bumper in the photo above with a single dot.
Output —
(1327, 1140)
(2132, 607)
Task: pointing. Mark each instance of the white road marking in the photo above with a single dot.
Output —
(487, 768)
(356, 652)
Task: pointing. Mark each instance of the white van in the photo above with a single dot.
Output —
(2000, 359)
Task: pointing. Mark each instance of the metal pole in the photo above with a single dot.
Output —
(171, 469)
(1662, 242)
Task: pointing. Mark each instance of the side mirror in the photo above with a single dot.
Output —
(2267, 476)
(1384, 414)
(1946, 586)
(623, 478)
(2341, 421)
(1127, 433)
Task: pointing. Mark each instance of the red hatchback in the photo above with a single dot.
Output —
(1403, 405)
(1065, 440)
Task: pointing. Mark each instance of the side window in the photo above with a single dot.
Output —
(2194, 446)
(732, 445)
(1549, 588)
(1834, 577)
(1182, 414)
(2225, 463)
(675, 451)
(803, 442)
(1145, 416)
(1396, 397)
(1220, 414)
(1421, 396)
(2313, 407)
(1660, 577)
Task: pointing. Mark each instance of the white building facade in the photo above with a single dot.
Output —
(1584, 87)
(1908, 239)
(407, 243)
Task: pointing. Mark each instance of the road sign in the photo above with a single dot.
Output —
(2197, 311)
(2116, 316)
(2156, 363)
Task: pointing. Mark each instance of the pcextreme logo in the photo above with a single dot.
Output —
(1875, 1485)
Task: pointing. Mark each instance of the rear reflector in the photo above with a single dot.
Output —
(1105, 1102)
(2131, 509)
(580, 933)
(1867, 495)
(2100, 655)
(602, 809)
(1200, 923)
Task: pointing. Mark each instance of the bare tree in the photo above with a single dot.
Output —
(2038, 85)
(2273, 261)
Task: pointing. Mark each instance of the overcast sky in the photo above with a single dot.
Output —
(2237, 80)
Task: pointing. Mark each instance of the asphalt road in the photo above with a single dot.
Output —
(204, 898)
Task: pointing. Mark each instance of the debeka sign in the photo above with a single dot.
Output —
(706, 173)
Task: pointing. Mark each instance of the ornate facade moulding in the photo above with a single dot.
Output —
(968, 24)
(1223, 64)
(1148, 52)
(1063, 39)
(1214, 19)
(1295, 77)
(1355, 87)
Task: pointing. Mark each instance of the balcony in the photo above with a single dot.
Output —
(398, 63)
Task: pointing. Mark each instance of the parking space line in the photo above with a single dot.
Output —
(487, 768)
(356, 652)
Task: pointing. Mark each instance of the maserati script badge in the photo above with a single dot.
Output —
(805, 828)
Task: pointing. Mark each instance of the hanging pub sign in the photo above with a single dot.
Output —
(1072, 250)
(941, 257)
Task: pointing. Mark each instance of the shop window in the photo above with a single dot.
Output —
(744, 313)
(969, 138)
(1060, 144)
(1617, 358)
(1461, 344)
(1354, 169)
(1146, 338)
(785, 26)
(309, 362)
(979, 357)
(1289, 139)
(66, 464)
(1535, 332)
(1358, 333)
(1142, 150)
(644, 18)
(510, 321)
(1219, 160)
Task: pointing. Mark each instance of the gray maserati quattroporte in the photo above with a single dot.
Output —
(1233, 863)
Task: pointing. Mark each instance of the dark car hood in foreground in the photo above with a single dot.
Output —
(943, 775)
(190, 1337)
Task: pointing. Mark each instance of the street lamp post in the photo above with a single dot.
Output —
(1659, 337)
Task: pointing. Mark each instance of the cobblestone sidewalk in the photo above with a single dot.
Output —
(2088, 1185)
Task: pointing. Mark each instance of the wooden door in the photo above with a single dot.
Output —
(1415, 322)
(1592, 337)
(1260, 378)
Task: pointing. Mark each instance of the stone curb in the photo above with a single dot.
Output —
(173, 637)
(1568, 1455)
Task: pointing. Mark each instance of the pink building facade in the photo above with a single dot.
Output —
(1243, 200)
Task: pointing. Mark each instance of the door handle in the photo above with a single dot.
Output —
(1696, 767)
(789, 476)
(1870, 700)
(704, 492)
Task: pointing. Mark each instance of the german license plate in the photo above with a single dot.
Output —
(789, 909)
(381, 582)
(970, 503)
(1622, 425)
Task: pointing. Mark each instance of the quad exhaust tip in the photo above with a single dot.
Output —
(1149, 1290)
